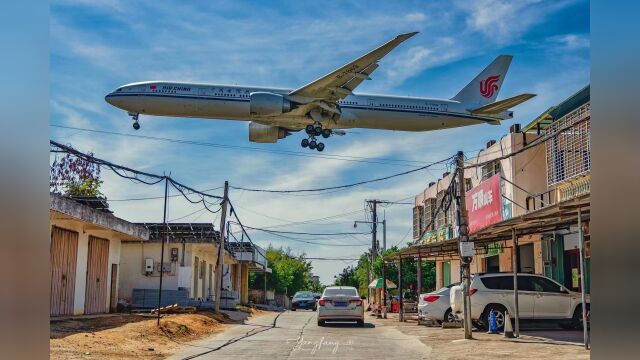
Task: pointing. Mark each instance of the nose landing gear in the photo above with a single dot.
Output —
(313, 131)
(136, 124)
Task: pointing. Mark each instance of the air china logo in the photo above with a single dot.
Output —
(489, 86)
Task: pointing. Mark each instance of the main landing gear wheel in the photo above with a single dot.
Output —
(320, 147)
(317, 131)
(136, 125)
(310, 130)
(312, 144)
(326, 133)
(305, 143)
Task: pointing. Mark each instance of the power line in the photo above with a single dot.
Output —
(305, 233)
(160, 197)
(382, 161)
(347, 185)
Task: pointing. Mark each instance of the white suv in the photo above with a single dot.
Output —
(539, 298)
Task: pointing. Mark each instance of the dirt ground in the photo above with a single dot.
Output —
(131, 336)
(450, 343)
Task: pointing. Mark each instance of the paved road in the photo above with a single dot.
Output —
(296, 335)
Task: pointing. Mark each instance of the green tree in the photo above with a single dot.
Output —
(290, 273)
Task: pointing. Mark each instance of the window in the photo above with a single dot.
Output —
(491, 169)
(541, 284)
(345, 292)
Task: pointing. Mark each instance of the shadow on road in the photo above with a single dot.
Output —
(348, 324)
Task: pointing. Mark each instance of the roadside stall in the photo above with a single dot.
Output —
(380, 295)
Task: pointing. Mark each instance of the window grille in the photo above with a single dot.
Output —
(569, 148)
(490, 169)
(429, 208)
(417, 221)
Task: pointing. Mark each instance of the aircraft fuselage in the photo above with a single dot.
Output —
(228, 102)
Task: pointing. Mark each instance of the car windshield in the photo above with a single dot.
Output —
(345, 292)
(303, 295)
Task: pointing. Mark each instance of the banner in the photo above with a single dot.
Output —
(484, 205)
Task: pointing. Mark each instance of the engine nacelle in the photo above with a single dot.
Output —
(266, 133)
(268, 104)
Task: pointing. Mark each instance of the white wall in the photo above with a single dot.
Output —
(82, 257)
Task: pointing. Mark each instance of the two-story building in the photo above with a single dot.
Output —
(532, 182)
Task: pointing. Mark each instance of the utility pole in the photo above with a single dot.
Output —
(164, 239)
(463, 235)
(220, 262)
(384, 276)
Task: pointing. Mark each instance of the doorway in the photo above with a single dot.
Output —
(95, 300)
(492, 264)
(526, 262)
(113, 298)
(446, 273)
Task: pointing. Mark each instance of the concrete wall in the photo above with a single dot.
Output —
(85, 230)
(133, 267)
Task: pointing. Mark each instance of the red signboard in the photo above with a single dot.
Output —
(484, 204)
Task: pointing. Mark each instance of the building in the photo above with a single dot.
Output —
(531, 186)
(189, 267)
(86, 255)
(251, 258)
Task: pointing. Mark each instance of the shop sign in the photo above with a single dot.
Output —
(435, 236)
(493, 249)
(484, 205)
(467, 248)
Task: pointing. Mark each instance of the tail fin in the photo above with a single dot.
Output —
(484, 88)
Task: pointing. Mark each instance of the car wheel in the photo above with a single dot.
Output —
(293, 309)
(315, 309)
(576, 321)
(361, 323)
(499, 311)
(320, 322)
(448, 316)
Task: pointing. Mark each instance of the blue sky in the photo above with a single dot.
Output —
(97, 46)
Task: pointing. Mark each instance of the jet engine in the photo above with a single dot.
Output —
(268, 104)
(266, 133)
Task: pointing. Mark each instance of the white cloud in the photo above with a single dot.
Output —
(571, 42)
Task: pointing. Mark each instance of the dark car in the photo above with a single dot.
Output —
(304, 300)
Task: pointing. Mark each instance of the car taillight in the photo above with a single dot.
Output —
(472, 291)
(321, 302)
(431, 298)
(357, 302)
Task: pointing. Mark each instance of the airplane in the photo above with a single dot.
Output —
(326, 106)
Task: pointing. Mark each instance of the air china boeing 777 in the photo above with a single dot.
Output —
(325, 106)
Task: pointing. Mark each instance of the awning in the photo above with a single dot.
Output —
(377, 284)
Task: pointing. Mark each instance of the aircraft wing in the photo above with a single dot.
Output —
(341, 82)
(502, 105)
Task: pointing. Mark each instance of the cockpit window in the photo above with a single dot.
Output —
(119, 89)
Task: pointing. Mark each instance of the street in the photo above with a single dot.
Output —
(296, 335)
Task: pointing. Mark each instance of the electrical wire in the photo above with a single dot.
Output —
(347, 185)
(382, 161)
(305, 233)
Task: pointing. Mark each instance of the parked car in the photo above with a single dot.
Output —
(436, 305)
(303, 300)
(340, 303)
(540, 298)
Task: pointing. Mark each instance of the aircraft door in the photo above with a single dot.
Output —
(371, 103)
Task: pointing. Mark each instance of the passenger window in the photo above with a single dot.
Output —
(546, 285)
(526, 283)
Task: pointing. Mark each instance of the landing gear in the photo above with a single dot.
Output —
(136, 124)
(314, 130)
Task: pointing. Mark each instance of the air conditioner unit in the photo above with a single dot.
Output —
(148, 266)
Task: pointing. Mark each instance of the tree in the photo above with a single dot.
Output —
(290, 273)
(73, 176)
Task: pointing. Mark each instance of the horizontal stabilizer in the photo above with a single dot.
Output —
(502, 105)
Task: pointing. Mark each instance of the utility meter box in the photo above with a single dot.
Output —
(148, 265)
